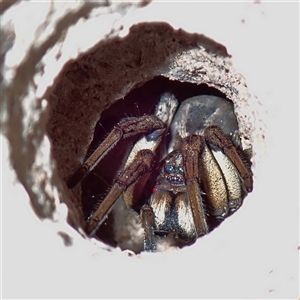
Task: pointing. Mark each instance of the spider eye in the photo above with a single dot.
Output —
(169, 169)
(180, 170)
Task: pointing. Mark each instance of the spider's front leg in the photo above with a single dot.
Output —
(139, 166)
(131, 180)
(128, 178)
(126, 128)
(191, 150)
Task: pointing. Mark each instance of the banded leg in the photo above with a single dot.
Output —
(191, 150)
(128, 177)
(126, 128)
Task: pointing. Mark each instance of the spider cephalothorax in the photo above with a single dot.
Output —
(201, 175)
(171, 176)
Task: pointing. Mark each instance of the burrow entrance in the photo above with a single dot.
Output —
(122, 77)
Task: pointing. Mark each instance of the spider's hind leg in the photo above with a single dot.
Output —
(124, 129)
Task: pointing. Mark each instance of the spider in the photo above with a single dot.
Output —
(201, 175)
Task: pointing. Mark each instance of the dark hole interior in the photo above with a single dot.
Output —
(140, 101)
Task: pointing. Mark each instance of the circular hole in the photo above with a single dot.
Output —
(128, 76)
(123, 227)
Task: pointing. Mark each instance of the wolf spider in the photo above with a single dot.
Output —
(202, 175)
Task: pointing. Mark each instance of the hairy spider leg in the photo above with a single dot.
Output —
(191, 150)
(126, 128)
(128, 177)
(132, 179)
(148, 223)
(165, 111)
